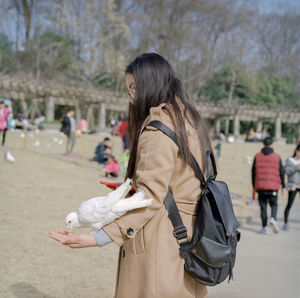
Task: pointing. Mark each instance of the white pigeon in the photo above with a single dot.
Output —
(9, 157)
(100, 211)
(249, 160)
(36, 144)
(22, 135)
(55, 140)
(60, 142)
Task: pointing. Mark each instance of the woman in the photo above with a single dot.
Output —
(292, 169)
(149, 261)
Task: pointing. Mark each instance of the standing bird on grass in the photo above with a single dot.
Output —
(9, 157)
(99, 211)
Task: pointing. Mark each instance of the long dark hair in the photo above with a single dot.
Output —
(297, 149)
(156, 83)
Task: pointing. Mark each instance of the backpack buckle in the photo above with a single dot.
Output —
(180, 232)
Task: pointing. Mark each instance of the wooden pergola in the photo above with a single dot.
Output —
(238, 113)
(25, 90)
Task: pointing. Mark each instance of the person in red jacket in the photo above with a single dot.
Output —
(123, 130)
(267, 177)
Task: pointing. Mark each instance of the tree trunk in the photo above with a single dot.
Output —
(232, 86)
(27, 8)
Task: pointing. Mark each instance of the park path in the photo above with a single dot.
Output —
(267, 266)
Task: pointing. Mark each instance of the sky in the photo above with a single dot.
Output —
(268, 6)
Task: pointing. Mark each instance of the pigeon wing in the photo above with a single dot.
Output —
(93, 210)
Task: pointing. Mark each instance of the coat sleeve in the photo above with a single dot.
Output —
(290, 168)
(282, 172)
(155, 165)
(253, 172)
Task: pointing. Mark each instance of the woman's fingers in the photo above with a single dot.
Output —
(63, 237)
(55, 236)
(64, 233)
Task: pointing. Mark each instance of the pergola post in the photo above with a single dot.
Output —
(227, 126)
(236, 126)
(218, 125)
(278, 128)
(24, 107)
(90, 116)
(101, 116)
(77, 114)
(259, 126)
(50, 106)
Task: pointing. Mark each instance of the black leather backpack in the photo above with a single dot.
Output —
(210, 254)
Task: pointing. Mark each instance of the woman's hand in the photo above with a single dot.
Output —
(73, 240)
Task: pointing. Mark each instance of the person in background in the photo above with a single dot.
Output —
(267, 176)
(257, 137)
(4, 112)
(84, 127)
(113, 125)
(124, 159)
(19, 121)
(250, 135)
(264, 134)
(124, 134)
(69, 128)
(103, 150)
(292, 169)
(219, 136)
(112, 168)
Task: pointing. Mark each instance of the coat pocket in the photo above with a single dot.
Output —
(146, 237)
(139, 242)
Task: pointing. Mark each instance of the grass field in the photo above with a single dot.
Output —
(42, 186)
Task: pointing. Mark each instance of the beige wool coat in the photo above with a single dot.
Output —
(150, 265)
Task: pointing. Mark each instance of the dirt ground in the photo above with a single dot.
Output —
(42, 186)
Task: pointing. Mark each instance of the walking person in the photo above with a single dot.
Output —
(267, 177)
(149, 261)
(69, 128)
(292, 169)
(4, 112)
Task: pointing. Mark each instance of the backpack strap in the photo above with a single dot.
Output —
(180, 231)
(210, 159)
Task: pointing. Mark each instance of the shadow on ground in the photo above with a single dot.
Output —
(25, 290)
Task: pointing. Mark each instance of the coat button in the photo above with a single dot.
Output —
(130, 231)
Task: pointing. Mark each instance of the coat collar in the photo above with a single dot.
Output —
(155, 114)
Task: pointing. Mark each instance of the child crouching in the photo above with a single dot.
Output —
(112, 168)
